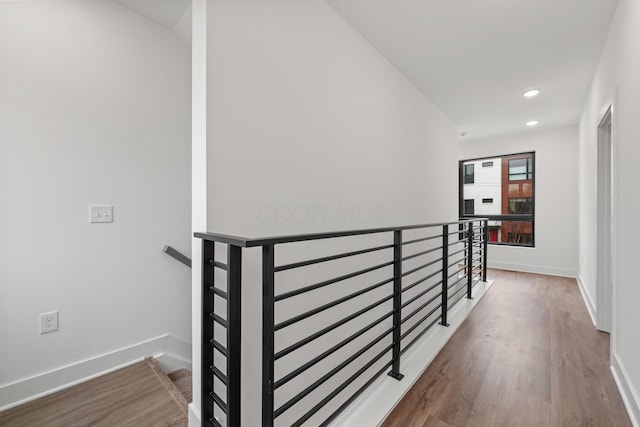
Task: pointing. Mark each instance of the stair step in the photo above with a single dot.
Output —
(182, 379)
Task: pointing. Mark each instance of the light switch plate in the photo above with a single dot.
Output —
(100, 213)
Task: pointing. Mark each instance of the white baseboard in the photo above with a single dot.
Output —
(526, 268)
(627, 391)
(194, 416)
(169, 350)
(176, 354)
(591, 307)
(377, 402)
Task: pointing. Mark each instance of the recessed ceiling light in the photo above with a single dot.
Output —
(531, 93)
(532, 123)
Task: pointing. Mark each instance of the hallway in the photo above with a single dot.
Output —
(528, 355)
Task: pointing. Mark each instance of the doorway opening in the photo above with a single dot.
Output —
(604, 284)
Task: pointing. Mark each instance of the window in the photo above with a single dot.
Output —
(469, 207)
(520, 205)
(506, 189)
(520, 169)
(468, 174)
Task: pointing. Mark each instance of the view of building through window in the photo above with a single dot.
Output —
(502, 189)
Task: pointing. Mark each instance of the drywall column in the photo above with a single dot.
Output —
(198, 190)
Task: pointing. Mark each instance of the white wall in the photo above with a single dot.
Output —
(556, 187)
(94, 108)
(311, 129)
(618, 71)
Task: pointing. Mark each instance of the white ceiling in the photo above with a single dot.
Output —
(474, 58)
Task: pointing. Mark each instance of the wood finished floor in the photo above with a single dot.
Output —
(140, 395)
(527, 355)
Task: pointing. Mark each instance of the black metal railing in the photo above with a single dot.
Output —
(324, 343)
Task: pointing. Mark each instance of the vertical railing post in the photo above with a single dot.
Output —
(397, 303)
(234, 327)
(445, 274)
(469, 259)
(268, 334)
(206, 362)
(485, 244)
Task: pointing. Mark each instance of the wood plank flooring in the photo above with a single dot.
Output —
(138, 395)
(527, 355)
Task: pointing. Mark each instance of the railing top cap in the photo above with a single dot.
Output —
(261, 241)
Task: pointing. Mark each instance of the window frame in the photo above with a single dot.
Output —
(528, 171)
(503, 217)
(473, 175)
(473, 205)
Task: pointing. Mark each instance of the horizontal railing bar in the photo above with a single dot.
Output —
(421, 253)
(426, 291)
(331, 281)
(331, 304)
(219, 401)
(419, 322)
(458, 232)
(476, 267)
(456, 272)
(218, 346)
(417, 337)
(457, 242)
(298, 397)
(248, 242)
(417, 282)
(417, 310)
(413, 270)
(457, 282)
(342, 386)
(218, 320)
(218, 292)
(457, 252)
(512, 217)
(220, 265)
(478, 275)
(458, 300)
(476, 260)
(329, 258)
(456, 262)
(422, 239)
(218, 373)
(330, 351)
(355, 395)
(463, 288)
(329, 328)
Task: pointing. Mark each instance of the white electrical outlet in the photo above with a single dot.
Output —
(48, 322)
(100, 213)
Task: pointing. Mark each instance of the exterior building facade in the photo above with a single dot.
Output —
(517, 198)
